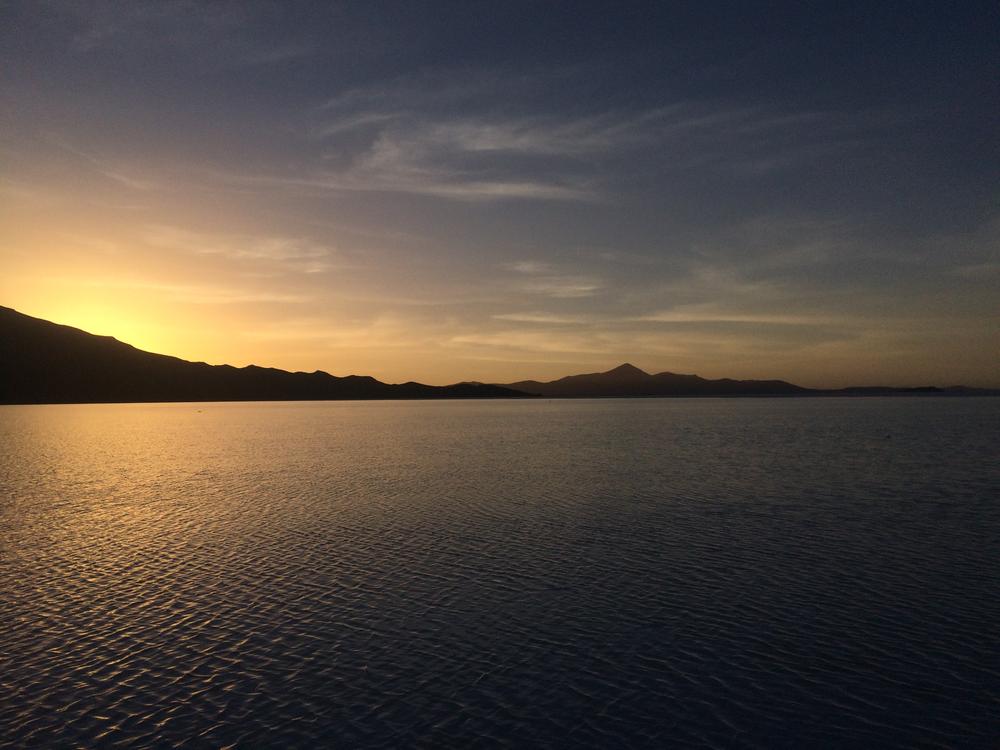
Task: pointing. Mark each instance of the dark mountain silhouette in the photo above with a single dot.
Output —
(629, 380)
(42, 362)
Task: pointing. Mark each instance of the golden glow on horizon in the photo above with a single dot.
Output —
(228, 287)
(140, 331)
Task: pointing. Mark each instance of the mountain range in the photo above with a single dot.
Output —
(629, 381)
(44, 362)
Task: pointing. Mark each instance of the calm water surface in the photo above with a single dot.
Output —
(766, 573)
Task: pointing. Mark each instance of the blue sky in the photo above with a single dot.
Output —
(493, 191)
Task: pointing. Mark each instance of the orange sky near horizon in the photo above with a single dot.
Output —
(304, 304)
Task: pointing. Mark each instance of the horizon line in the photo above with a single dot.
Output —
(625, 364)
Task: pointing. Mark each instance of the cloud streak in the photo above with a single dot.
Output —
(444, 139)
(199, 294)
(293, 254)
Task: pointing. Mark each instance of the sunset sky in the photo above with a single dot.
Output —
(502, 190)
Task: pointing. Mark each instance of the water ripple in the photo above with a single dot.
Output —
(713, 573)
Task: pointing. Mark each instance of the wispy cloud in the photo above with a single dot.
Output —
(104, 166)
(542, 318)
(517, 342)
(713, 313)
(563, 287)
(200, 294)
(395, 167)
(381, 332)
(292, 253)
(545, 279)
(448, 138)
(529, 266)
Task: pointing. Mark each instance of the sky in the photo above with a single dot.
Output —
(496, 191)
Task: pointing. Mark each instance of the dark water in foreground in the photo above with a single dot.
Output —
(654, 573)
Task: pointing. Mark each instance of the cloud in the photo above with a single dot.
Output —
(381, 332)
(529, 266)
(519, 341)
(563, 287)
(104, 166)
(470, 137)
(397, 166)
(544, 279)
(543, 318)
(291, 253)
(461, 136)
(710, 313)
(476, 113)
(405, 175)
(201, 294)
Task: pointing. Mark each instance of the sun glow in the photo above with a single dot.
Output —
(127, 323)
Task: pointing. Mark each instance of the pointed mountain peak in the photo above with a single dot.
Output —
(627, 370)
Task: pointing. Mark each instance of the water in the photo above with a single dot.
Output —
(649, 573)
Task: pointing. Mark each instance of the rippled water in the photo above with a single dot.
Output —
(647, 573)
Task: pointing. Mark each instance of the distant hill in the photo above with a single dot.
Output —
(628, 380)
(42, 362)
